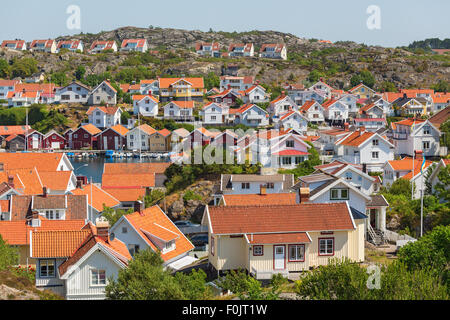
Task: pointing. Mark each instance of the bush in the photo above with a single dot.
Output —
(8, 255)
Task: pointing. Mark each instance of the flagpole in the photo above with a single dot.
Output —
(421, 208)
(413, 152)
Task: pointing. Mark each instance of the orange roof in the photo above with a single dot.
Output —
(164, 132)
(115, 247)
(107, 110)
(139, 97)
(8, 130)
(275, 238)
(42, 161)
(258, 199)
(392, 96)
(4, 205)
(137, 180)
(27, 181)
(184, 104)
(56, 180)
(148, 81)
(356, 138)
(47, 88)
(328, 103)
(289, 218)
(56, 244)
(100, 197)
(135, 168)
(406, 164)
(147, 129)
(165, 83)
(126, 194)
(120, 129)
(125, 87)
(90, 128)
(308, 104)
(153, 221)
(18, 232)
(409, 122)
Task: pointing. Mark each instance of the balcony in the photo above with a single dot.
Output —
(399, 136)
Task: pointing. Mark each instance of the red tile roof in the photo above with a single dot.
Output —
(293, 218)
(258, 199)
(356, 138)
(153, 221)
(165, 83)
(100, 197)
(139, 42)
(276, 238)
(56, 244)
(124, 194)
(291, 152)
(18, 232)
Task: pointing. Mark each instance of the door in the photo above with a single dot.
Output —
(116, 143)
(105, 143)
(279, 256)
(374, 218)
(55, 145)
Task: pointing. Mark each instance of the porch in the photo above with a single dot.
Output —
(376, 221)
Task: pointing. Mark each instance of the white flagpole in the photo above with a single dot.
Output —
(413, 152)
(421, 210)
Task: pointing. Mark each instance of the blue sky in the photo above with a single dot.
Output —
(402, 21)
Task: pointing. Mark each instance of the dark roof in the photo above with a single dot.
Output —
(439, 118)
(357, 214)
(377, 200)
(75, 205)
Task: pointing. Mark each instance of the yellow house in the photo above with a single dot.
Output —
(284, 239)
(160, 141)
(362, 91)
(181, 88)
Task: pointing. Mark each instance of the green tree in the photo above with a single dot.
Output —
(60, 79)
(212, 80)
(80, 72)
(365, 77)
(387, 86)
(4, 69)
(315, 75)
(401, 187)
(441, 86)
(145, 278)
(441, 187)
(23, 67)
(113, 215)
(8, 255)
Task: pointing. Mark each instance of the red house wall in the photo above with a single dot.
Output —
(82, 139)
(54, 138)
(111, 134)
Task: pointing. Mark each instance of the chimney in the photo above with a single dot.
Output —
(11, 181)
(418, 154)
(102, 229)
(303, 195)
(283, 94)
(405, 96)
(44, 192)
(139, 206)
(262, 189)
(362, 129)
(79, 184)
(229, 86)
(346, 126)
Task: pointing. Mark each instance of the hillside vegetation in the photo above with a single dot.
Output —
(173, 54)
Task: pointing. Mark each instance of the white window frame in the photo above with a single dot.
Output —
(98, 272)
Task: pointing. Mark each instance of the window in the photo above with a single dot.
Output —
(290, 144)
(270, 185)
(286, 160)
(339, 194)
(86, 136)
(426, 130)
(98, 277)
(124, 230)
(213, 117)
(212, 246)
(297, 252)
(326, 246)
(47, 268)
(246, 185)
(258, 250)
(426, 145)
(375, 155)
(375, 142)
(299, 160)
(348, 175)
(133, 249)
